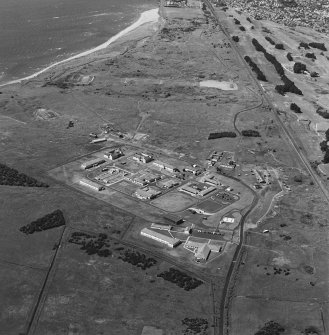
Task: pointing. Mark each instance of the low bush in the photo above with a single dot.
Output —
(279, 46)
(235, 38)
(271, 328)
(310, 55)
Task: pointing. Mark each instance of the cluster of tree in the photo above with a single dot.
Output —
(255, 68)
(322, 112)
(250, 133)
(248, 19)
(303, 45)
(271, 328)
(298, 178)
(181, 279)
(269, 40)
(92, 244)
(294, 107)
(288, 85)
(195, 325)
(51, 220)
(242, 28)
(317, 45)
(299, 67)
(314, 74)
(11, 177)
(289, 56)
(236, 21)
(221, 134)
(137, 259)
(279, 46)
(310, 55)
(235, 38)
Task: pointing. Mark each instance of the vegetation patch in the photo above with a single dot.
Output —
(92, 244)
(279, 46)
(289, 57)
(213, 136)
(181, 279)
(269, 39)
(137, 259)
(271, 328)
(288, 85)
(235, 38)
(242, 28)
(49, 221)
(294, 107)
(322, 112)
(299, 67)
(310, 55)
(320, 46)
(11, 177)
(195, 325)
(255, 68)
(250, 133)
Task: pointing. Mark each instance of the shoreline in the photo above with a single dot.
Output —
(151, 15)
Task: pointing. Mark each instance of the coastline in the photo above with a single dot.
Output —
(149, 16)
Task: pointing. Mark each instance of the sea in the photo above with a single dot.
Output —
(37, 33)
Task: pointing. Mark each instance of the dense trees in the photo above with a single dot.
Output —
(250, 133)
(279, 46)
(288, 85)
(52, 220)
(235, 38)
(11, 177)
(92, 244)
(315, 45)
(196, 325)
(137, 259)
(242, 28)
(236, 21)
(325, 148)
(299, 67)
(319, 46)
(310, 55)
(322, 112)
(181, 279)
(221, 134)
(271, 328)
(294, 107)
(255, 68)
(289, 56)
(269, 40)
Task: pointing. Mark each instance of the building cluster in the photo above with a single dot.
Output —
(305, 13)
(201, 250)
(263, 177)
(113, 154)
(143, 157)
(222, 160)
(147, 193)
(197, 189)
(144, 178)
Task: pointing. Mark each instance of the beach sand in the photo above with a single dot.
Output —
(149, 16)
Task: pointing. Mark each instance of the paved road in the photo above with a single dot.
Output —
(291, 140)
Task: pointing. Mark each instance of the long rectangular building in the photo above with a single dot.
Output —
(91, 184)
(167, 240)
(92, 163)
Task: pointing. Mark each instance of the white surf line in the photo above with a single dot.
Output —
(151, 15)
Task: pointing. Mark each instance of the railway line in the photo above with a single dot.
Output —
(224, 312)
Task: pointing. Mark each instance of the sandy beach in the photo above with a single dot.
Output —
(149, 16)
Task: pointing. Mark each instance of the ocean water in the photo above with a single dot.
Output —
(36, 33)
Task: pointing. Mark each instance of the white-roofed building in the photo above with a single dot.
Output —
(165, 239)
